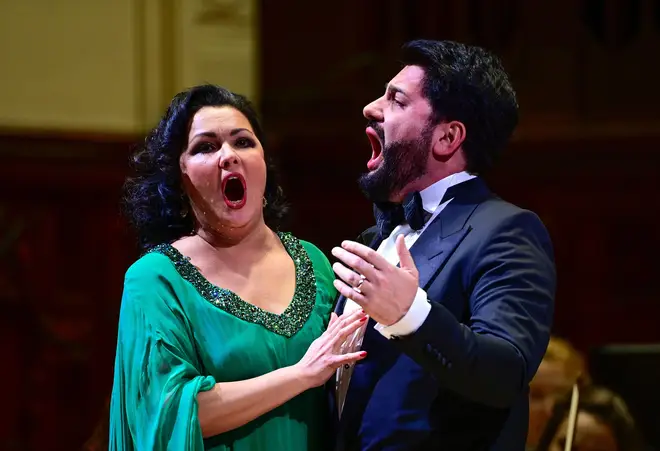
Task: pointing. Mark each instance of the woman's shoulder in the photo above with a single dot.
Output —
(319, 260)
(313, 250)
(153, 277)
(315, 254)
(156, 266)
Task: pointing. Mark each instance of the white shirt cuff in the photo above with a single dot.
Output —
(411, 321)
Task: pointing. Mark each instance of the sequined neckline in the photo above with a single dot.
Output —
(288, 322)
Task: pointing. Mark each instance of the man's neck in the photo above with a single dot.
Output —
(434, 195)
(427, 181)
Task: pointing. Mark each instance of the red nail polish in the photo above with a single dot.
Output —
(363, 319)
(363, 354)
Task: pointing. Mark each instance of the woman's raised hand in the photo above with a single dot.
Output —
(324, 354)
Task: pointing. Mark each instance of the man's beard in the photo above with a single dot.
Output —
(403, 163)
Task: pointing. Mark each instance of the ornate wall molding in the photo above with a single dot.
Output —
(112, 66)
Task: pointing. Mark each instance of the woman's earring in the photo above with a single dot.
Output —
(265, 202)
(184, 208)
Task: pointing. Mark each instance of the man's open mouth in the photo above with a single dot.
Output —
(376, 149)
(234, 190)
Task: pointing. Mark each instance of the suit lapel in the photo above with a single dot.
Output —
(341, 303)
(441, 238)
(432, 249)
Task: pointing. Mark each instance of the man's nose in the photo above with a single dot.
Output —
(373, 111)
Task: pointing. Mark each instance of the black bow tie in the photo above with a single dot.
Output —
(389, 215)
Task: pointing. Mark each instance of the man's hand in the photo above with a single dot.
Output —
(384, 291)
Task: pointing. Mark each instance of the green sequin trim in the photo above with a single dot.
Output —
(287, 323)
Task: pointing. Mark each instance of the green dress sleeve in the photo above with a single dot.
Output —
(157, 374)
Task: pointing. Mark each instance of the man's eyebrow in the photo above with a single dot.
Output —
(394, 89)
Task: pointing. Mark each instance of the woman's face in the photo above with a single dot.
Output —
(590, 435)
(550, 383)
(223, 171)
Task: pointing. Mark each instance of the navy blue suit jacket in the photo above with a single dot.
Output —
(461, 381)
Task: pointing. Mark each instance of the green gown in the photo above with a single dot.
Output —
(179, 335)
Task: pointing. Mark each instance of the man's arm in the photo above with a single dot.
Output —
(492, 357)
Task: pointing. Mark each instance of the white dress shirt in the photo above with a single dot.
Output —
(431, 200)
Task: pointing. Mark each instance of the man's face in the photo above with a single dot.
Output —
(400, 134)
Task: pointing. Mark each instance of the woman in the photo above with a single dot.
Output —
(221, 340)
(604, 423)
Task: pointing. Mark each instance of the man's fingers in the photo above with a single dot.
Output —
(350, 277)
(366, 253)
(405, 257)
(350, 293)
(357, 263)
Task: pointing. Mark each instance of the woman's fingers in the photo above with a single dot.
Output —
(341, 321)
(349, 328)
(343, 359)
(339, 329)
(334, 325)
(348, 319)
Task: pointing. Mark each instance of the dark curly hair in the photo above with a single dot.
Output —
(153, 199)
(467, 84)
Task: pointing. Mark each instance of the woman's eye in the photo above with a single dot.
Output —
(244, 143)
(204, 147)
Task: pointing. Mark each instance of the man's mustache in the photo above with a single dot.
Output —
(378, 129)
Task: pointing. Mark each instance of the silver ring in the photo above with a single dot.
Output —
(357, 287)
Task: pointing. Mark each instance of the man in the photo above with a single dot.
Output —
(459, 284)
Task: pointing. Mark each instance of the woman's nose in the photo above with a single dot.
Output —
(228, 157)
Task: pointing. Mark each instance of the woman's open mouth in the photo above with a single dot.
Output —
(234, 190)
(376, 149)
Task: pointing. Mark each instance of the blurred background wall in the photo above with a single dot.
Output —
(80, 82)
